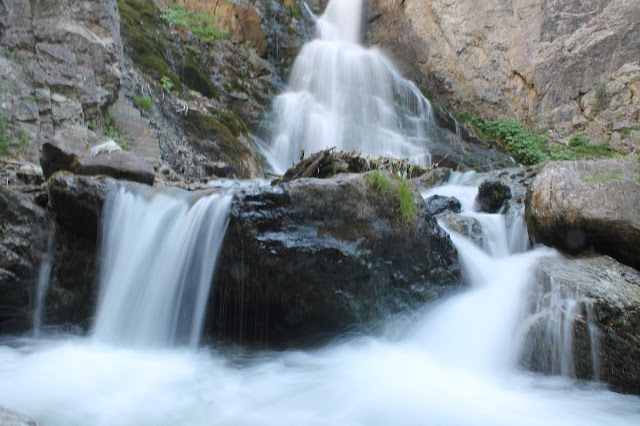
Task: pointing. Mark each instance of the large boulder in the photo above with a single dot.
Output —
(577, 205)
(317, 257)
(79, 150)
(570, 66)
(586, 321)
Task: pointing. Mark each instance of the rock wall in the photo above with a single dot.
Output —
(563, 66)
(59, 63)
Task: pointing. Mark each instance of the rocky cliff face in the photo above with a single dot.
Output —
(564, 66)
(59, 64)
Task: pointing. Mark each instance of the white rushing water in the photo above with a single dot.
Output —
(158, 255)
(341, 94)
(44, 278)
(455, 363)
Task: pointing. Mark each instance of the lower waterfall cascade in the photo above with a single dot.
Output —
(454, 363)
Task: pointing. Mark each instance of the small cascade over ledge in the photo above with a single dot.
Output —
(159, 251)
(343, 95)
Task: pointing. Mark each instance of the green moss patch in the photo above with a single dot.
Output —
(142, 31)
(195, 79)
(215, 138)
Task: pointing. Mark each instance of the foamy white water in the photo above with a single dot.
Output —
(343, 95)
(158, 255)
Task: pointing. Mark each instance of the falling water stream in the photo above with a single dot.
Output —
(341, 94)
(456, 362)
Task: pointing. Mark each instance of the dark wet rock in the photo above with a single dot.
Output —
(313, 258)
(10, 418)
(606, 296)
(433, 177)
(24, 231)
(492, 196)
(78, 200)
(577, 205)
(437, 205)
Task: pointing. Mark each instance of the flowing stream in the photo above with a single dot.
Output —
(456, 362)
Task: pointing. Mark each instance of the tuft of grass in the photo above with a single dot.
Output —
(380, 182)
(401, 193)
(201, 25)
(143, 102)
(408, 209)
(4, 137)
(581, 148)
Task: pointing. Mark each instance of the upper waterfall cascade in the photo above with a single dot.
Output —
(341, 94)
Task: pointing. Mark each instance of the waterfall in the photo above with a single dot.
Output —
(511, 315)
(158, 255)
(44, 278)
(343, 95)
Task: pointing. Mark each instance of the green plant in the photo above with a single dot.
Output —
(110, 129)
(4, 137)
(581, 147)
(380, 182)
(12, 138)
(408, 209)
(292, 7)
(143, 102)
(531, 148)
(201, 25)
(167, 83)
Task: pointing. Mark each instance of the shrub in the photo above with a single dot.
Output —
(201, 25)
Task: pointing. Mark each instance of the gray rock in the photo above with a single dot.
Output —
(576, 205)
(119, 165)
(9, 418)
(593, 304)
(544, 63)
(75, 149)
(315, 257)
(465, 225)
(438, 204)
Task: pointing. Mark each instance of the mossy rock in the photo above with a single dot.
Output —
(231, 121)
(195, 79)
(142, 30)
(214, 139)
(492, 196)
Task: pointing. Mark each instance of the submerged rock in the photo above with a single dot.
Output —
(314, 258)
(577, 205)
(586, 322)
